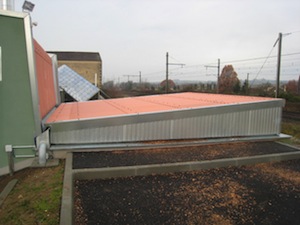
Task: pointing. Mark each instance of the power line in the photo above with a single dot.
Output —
(255, 65)
(295, 32)
(259, 58)
(174, 58)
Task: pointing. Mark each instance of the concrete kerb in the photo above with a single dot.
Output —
(142, 170)
(60, 151)
(9, 187)
(66, 212)
(71, 174)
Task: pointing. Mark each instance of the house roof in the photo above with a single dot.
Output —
(77, 56)
(145, 104)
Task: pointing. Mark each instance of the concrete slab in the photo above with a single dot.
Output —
(49, 163)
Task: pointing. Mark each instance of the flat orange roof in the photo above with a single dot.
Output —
(145, 104)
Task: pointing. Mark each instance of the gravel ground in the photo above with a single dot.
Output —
(262, 194)
(171, 155)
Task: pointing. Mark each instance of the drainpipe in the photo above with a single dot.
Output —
(9, 151)
(43, 143)
(42, 153)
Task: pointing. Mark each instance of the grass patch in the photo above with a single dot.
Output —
(291, 127)
(36, 199)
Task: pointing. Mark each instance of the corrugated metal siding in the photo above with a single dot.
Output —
(214, 123)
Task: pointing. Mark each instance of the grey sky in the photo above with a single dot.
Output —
(134, 35)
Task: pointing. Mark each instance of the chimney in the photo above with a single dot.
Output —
(7, 5)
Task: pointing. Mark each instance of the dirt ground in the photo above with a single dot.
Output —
(171, 155)
(262, 194)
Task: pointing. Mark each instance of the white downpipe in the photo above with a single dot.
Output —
(96, 80)
(42, 153)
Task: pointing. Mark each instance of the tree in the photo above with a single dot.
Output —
(245, 87)
(292, 86)
(229, 81)
(237, 87)
(299, 85)
(108, 85)
(265, 90)
(126, 86)
(171, 84)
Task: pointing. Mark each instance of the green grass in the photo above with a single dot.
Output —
(36, 199)
(291, 128)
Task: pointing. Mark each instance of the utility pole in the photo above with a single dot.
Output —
(167, 70)
(218, 75)
(247, 88)
(127, 77)
(218, 79)
(140, 77)
(279, 40)
(140, 74)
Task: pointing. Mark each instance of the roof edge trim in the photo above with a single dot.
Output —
(20, 15)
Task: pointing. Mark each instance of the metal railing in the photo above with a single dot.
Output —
(11, 155)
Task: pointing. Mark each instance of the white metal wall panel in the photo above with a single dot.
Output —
(176, 125)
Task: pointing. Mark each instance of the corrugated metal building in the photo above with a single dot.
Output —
(165, 117)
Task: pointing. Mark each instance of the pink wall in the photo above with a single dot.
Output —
(45, 80)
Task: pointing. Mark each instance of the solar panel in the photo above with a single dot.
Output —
(75, 85)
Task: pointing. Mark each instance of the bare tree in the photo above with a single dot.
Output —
(229, 81)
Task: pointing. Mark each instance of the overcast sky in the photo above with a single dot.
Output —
(134, 35)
